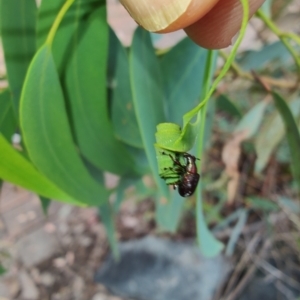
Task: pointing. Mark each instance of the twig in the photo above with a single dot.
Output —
(280, 83)
(283, 36)
(243, 261)
(276, 273)
(242, 284)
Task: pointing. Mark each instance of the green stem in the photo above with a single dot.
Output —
(188, 116)
(57, 21)
(282, 36)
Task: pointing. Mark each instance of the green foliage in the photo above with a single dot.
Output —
(292, 133)
(47, 132)
(2, 270)
(84, 104)
(17, 23)
(7, 118)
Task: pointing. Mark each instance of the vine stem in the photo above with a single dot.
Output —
(189, 116)
(282, 36)
(57, 21)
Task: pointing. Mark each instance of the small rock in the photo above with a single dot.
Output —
(28, 289)
(78, 288)
(79, 228)
(37, 247)
(85, 241)
(47, 279)
(176, 271)
(63, 228)
(70, 258)
(66, 240)
(99, 296)
(35, 275)
(9, 287)
(59, 262)
(65, 211)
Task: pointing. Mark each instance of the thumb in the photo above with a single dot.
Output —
(167, 15)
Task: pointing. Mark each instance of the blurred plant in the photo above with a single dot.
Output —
(84, 105)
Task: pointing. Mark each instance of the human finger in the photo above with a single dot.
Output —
(217, 28)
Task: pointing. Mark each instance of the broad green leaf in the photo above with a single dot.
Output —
(183, 70)
(19, 171)
(18, 38)
(123, 114)
(7, 118)
(270, 135)
(86, 92)
(252, 119)
(47, 133)
(147, 94)
(292, 134)
(224, 104)
(168, 214)
(208, 244)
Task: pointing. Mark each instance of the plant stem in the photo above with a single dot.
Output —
(57, 21)
(282, 36)
(189, 115)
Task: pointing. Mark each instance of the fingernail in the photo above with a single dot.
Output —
(155, 15)
(235, 37)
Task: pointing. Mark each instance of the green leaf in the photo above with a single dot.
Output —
(62, 46)
(7, 118)
(292, 135)
(105, 211)
(183, 70)
(168, 213)
(19, 171)
(261, 204)
(270, 135)
(147, 94)
(123, 184)
(255, 60)
(2, 270)
(86, 92)
(252, 119)
(224, 104)
(107, 217)
(267, 7)
(237, 230)
(45, 202)
(208, 244)
(47, 132)
(123, 114)
(18, 37)
(289, 204)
